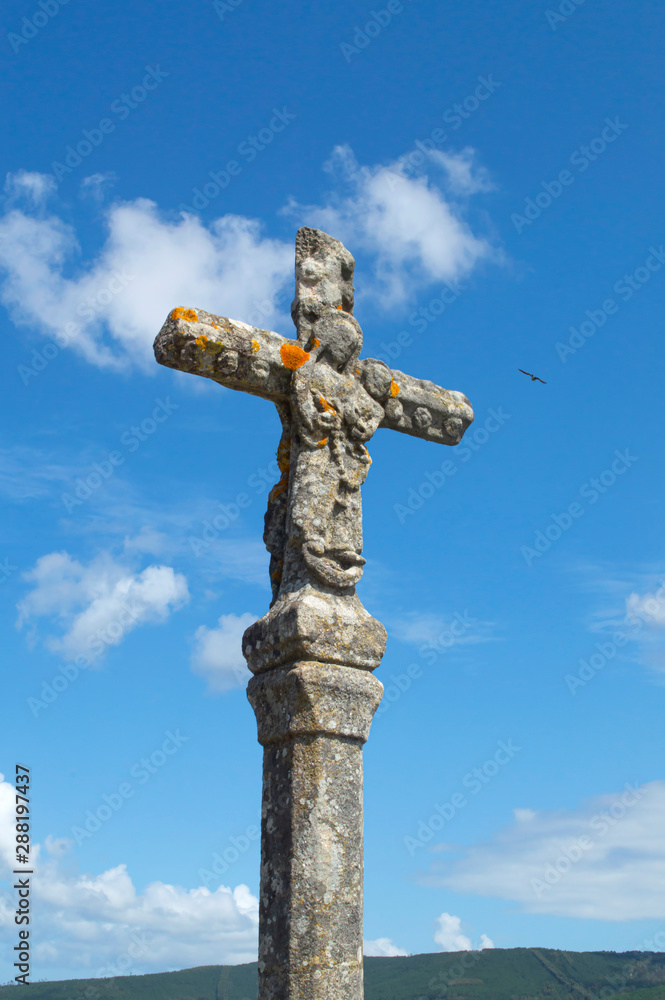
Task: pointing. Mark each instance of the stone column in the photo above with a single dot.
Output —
(313, 719)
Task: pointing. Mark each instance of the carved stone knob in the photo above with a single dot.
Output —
(422, 418)
(394, 409)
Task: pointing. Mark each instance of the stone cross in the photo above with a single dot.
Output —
(313, 653)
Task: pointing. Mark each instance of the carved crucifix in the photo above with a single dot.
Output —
(313, 652)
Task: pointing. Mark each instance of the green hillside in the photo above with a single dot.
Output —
(495, 974)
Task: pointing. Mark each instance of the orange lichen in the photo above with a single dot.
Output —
(322, 443)
(394, 388)
(216, 326)
(284, 465)
(315, 342)
(211, 346)
(187, 314)
(340, 307)
(278, 489)
(293, 356)
(284, 455)
(256, 347)
(369, 457)
(326, 406)
(277, 575)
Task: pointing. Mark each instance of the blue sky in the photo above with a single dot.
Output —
(496, 170)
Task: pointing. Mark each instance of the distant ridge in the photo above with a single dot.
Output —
(493, 974)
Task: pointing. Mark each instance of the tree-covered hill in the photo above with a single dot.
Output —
(493, 974)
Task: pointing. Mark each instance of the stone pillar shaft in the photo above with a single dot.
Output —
(313, 720)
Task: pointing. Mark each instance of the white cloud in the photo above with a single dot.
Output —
(218, 655)
(648, 608)
(110, 307)
(645, 614)
(413, 225)
(449, 937)
(638, 618)
(97, 605)
(437, 633)
(464, 175)
(148, 264)
(170, 529)
(96, 185)
(602, 861)
(416, 627)
(7, 825)
(383, 948)
(174, 533)
(26, 473)
(523, 815)
(57, 846)
(34, 187)
(93, 925)
(244, 559)
(148, 541)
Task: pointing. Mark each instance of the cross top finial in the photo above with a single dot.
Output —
(324, 278)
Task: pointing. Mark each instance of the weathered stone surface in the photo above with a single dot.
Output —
(330, 404)
(425, 410)
(311, 625)
(310, 698)
(313, 652)
(236, 355)
(312, 719)
(324, 279)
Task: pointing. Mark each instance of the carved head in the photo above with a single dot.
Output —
(324, 277)
(377, 377)
(337, 339)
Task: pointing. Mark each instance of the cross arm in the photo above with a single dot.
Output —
(261, 362)
(417, 406)
(236, 355)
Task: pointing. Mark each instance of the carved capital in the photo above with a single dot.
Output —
(311, 699)
(312, 625)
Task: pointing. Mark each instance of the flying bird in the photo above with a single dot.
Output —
(534, 378)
